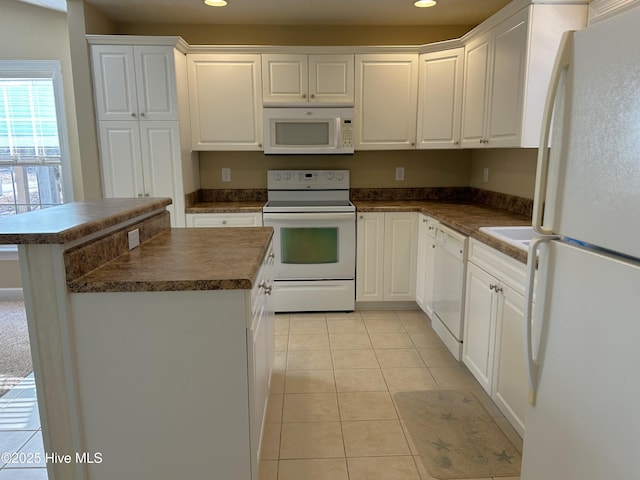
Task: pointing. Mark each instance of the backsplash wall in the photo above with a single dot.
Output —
(370, 169)
(511, 170)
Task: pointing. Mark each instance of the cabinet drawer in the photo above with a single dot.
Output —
(507, 269)
(224, 219)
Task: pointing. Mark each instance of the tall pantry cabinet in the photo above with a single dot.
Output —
(142, 111)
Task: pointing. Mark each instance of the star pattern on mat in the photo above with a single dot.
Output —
(503, 456)
(448, 417)
(442, 445)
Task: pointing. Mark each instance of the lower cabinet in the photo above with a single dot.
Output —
(252, 219)
(493, 347)
(427, 228)
(386, 256)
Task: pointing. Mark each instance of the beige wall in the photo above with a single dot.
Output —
(28, 32)
(511, 170)
(423, 168)
(298, 34)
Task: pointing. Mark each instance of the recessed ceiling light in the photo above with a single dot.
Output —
(425, 3)
(215, 3)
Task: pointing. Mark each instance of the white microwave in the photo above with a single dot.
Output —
(308, 130)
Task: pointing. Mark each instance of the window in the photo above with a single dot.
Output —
(34, 159)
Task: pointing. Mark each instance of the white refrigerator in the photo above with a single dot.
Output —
(583, 334)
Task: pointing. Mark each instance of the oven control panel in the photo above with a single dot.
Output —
(307, 179)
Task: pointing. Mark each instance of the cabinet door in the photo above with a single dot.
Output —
(331, 78)
(507, 85)
(161, 166)
(510, 387)
(421, 275)
(476, 83)
(386, 99)
(369, 256)
(224, 96)
(121, 159)
(440, 99)
(114, 81)
(479, 325)
(156, 83)
(285, 78)
(400, 250)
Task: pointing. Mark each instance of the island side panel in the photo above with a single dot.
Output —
(162, 381)
(45, 295)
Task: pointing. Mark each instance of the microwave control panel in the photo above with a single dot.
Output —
(347, 132)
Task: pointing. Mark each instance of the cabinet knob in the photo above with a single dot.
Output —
(433, 245)
(142, 114)
(304, 95)
(456, 143)
(313, 95)
(224, 222)
(146, 195)
(361, 217)
(272, 255)
(139, 195)
(133, 114)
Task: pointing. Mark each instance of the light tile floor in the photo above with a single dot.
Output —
(21, 448)
(331, 415)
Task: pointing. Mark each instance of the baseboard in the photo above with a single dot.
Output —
(386, 306)
(11, 294)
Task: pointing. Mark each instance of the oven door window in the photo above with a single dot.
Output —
(309, 245)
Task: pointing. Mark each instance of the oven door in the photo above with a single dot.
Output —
(313, 246)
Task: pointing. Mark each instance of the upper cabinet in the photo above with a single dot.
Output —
(507, 73)
(224, 100)
(386, 101)
(440, 99)
(134, 82)
(291, 78)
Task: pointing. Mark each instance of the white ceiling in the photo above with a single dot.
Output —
(299, 12)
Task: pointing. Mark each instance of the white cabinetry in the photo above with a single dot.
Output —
(224, 219)
(261, 353)
(140, 96)
(440, 99)
(493, 347)
(386, 256)
(224, 100)
(507, 73)
(134, 82)
(141, 159)
(427, 228)
(289, 78)
(386, 100)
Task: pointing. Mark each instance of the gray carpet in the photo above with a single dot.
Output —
(15, 354)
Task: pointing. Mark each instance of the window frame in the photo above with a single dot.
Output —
(48, 69)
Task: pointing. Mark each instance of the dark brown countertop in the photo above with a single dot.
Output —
(463, 217)
(71, 221)
(184, 259)
(226, 207)
(466, 218)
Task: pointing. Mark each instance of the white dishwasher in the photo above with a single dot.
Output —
(448, 288)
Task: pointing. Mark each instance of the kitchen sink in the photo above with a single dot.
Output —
(518, 237)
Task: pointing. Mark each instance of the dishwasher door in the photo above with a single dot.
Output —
(448, 289)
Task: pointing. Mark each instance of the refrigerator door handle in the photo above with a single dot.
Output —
(531, 356)
(562, 62)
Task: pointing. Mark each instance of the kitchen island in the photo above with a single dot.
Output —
(150, 363)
